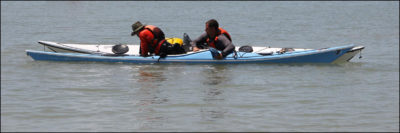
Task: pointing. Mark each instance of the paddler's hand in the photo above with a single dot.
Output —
(219, 57)
(195, 49)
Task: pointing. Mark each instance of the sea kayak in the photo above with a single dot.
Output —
(102, 53)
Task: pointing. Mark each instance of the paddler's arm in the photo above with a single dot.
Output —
(201, 39)
(229, 47)
(145, 40)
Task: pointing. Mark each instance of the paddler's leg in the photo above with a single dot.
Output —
(164, 49)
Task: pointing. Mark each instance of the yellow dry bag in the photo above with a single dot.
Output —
(174, 40)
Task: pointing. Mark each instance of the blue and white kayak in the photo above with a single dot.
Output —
(324, 55)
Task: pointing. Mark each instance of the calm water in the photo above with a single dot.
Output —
(362, 95)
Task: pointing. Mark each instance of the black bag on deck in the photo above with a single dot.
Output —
(171, 49)
(246, 48)
(175, 49)
(120, 49)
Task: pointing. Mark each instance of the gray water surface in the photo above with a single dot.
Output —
(361, 95)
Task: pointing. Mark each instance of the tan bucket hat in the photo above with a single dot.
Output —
(136, 27)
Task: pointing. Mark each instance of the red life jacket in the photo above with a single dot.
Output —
(158, 40)
(211, 43)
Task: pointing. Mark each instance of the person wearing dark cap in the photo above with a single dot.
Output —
(152, 39)
(215, 37)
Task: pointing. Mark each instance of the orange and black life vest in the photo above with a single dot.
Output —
(158, 40)
(211, 43)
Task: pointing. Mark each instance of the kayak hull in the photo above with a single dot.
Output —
(326, 55)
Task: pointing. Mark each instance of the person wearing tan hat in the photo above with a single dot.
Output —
(152, 39)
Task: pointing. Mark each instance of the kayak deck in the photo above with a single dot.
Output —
(133, 48)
